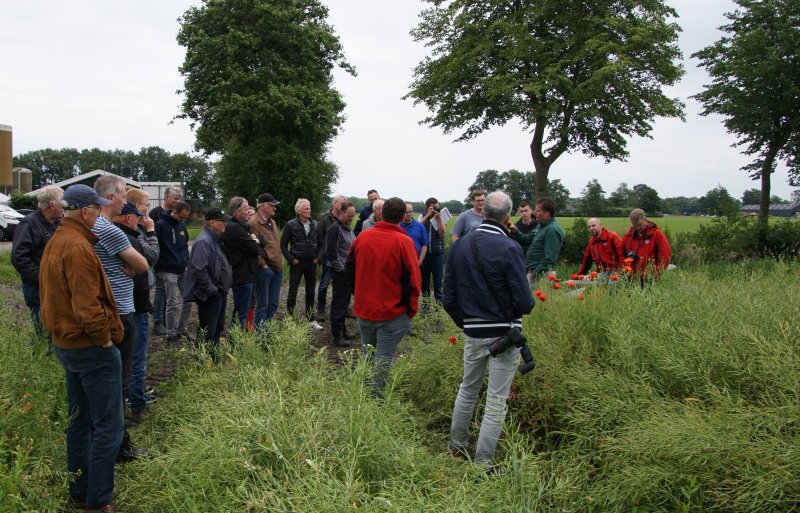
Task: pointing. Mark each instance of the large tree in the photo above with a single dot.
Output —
(259, 90)
(755, 71)
(718, 202)
(581, 75)
(593, 199)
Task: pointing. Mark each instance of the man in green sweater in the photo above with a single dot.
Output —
(545, 244)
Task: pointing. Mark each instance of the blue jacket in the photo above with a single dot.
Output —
(173, 244)
(486, 308)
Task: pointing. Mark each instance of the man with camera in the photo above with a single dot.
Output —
(486, 294)
(646, 245)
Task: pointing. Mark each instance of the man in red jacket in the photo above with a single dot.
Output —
(646, 245)
(604, 249)
(384, 270)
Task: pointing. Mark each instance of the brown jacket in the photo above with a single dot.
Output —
(270, 242)
(78, 307)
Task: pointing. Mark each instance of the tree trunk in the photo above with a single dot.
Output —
(763, 206)
(540, 164)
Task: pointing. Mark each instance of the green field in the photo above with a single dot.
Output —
(682, 396)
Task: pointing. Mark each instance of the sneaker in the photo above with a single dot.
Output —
(314, 325)
(150, 390)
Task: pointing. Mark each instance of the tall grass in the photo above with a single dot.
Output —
(676, 397)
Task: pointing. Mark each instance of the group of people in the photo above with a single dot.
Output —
(87, 281)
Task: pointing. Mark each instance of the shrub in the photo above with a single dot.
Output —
(575, 238)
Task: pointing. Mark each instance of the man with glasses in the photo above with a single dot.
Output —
(172, 195)
(173, 245)
(242, 248)
(79, 311)
(468, 221)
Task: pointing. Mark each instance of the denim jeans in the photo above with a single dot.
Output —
(177, 314)
(126, 350)
(211, 317)
(501, 373)
(304, 270)
(384, 336)
(242, 295)
(31, 295)
(432, 266)
(159, 301)
(324, 281)
(268, 292)
(136, 388)
(96, 421)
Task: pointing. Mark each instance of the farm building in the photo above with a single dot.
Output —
(775, 210)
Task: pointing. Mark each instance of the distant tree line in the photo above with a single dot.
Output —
(151, 164)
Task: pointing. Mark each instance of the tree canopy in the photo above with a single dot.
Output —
(755, 71)
(518, 185)
(259, 91)
(582, 75)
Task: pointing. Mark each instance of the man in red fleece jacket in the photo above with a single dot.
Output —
(384, 271)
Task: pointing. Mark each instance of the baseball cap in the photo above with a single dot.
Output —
(267, 198)
(216, 213)
(78, 196)
(130, 208)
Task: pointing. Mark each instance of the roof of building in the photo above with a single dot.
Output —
(99, 172)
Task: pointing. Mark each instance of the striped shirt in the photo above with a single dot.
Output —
(112, 241)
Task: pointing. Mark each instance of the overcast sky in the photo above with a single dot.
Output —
(87, 74)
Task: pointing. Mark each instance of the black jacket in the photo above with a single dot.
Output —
(30, 238)
(173, 244)
(486, 307)
(296, 244)
(242, 252)
(324, 224)
(141, 287)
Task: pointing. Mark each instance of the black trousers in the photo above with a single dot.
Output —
(306, 270)
(342, 289)
(211, 317)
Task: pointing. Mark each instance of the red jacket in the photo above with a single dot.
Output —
(604, 251)
(384, 270)
(652, 246)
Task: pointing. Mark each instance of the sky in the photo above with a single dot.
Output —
(86, 74)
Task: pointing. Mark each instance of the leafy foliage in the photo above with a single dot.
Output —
(518, 185)
(259, 91)
(583, 75)
(755, 86)
(593, 199)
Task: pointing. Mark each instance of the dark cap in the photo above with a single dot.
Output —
(130, 208)
(78, 196)
(267, 198)
(216, 213)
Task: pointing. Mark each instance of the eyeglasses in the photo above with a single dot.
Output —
(238, 206)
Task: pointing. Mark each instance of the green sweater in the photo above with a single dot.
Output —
(545, 246)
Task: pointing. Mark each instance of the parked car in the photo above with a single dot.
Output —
(9, 219)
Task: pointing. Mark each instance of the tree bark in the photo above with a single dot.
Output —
(540, 163)
(763, 206)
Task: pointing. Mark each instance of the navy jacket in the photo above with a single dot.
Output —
(486, 308)
(173, 244)
(30, 238)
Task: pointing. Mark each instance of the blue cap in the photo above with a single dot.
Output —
(130, 208)
(78, 196)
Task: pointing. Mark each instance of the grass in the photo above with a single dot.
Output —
(8, 275)
(681, 396)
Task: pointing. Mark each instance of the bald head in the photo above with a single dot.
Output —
(498, 207)
(595, 227)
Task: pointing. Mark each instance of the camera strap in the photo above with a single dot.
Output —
(481, 270)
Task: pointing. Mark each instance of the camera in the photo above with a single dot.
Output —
(633, 255)
(514, 338)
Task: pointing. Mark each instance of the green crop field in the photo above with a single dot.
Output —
(682, 396)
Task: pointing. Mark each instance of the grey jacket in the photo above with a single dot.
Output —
(338, 241)
(208, 271)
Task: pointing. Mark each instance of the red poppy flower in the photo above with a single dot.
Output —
(452, 341)
(551, 277)
(542, 298)
(628, 260)
(538, 292)
(571, 284)
(613, 277)
(581, 276)
(581, 296)
(573, 277)
(556, 286)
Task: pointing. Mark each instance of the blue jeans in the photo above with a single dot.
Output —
(433, 265)
(159, 302)
(31, 295)
(324, 280)
(136, 388)
(242, 295)
(94, 432)
(268, 293)
(384, 336)
(501, 373)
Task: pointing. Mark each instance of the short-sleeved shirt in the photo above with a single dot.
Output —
(466, 222)
(112, 241)
(417, 232)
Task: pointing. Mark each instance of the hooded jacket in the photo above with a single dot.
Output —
(650, 247)
(604, 251)
(173, 244)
